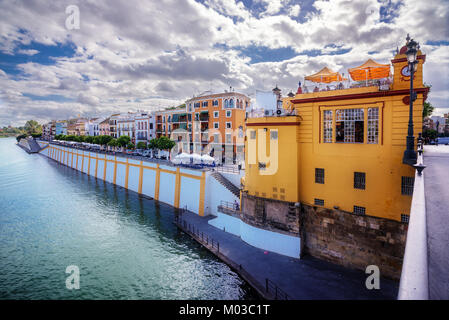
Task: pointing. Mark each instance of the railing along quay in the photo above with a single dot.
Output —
(414, 283)
(269, 290)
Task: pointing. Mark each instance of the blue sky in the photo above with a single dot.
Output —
(130, 55)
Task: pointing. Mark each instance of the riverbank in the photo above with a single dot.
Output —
(299, 279)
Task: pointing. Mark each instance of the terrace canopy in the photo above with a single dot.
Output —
(370, 70)
(325, 75)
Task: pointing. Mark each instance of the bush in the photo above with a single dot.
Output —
(141, 145)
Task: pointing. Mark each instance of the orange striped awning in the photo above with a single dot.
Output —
(370, 70)
(325, 75)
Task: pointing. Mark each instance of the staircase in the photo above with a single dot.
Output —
(226, 183)
(34, 146)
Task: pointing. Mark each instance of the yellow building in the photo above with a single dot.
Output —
(328, 170)
(342, 148)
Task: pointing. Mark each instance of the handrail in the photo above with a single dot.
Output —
(271, 289)
(414, 284)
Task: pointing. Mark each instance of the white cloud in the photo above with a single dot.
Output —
(134, 54)
(29, 52)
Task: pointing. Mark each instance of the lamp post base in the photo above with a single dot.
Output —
(409, 157)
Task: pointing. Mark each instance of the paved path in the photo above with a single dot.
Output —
(306, 278)
(436, 185)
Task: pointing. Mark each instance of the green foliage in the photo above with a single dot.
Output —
(123, 141)
(165, 143)
(32, 126)
(130, 146)
(152, 144)
(141, 145)
(104, 139)
(430, 134)
(427, 109)
(36, 135)
(112, 143)
(89, 139)
(22, 136)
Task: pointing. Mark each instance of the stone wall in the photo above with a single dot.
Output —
(273, 215)
(352, 240)
(337, 236)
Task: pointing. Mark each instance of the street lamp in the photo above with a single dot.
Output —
(412, 51)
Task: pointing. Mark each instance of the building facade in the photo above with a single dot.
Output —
(218, 124)
(331, 173)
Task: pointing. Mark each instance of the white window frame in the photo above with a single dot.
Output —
(230, 114)
(230, 125)
(216, 125)
(216, 114)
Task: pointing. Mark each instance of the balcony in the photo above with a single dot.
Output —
(382, 84)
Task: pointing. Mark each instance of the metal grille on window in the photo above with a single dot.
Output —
(349, 125)
(373, 125)
(253, 134)
(359, 180)
(319, 175)
(327, 125)
(405, 218)
(273, 135)
(319, 202)
(359, 210)
(407, 185)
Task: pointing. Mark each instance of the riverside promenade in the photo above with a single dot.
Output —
(306, 278)
(436, 181)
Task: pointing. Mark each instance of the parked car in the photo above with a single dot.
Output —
(147, 153)
(443, 140)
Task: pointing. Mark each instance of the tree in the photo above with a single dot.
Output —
(89, 139)
(123, 141)
(165, 143)
(22, 136)
(104, 139)
(427, 109)
(130, 146)
(152, 144)
(429, 134)
(141, 145)
(32, 126)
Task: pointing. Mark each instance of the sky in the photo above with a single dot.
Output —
(146, 55)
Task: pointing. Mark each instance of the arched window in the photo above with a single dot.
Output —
(226, 103)
(231, 103)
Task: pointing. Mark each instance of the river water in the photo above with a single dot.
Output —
(125, 246)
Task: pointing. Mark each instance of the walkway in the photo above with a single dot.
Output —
(436, 181)
(306, 278)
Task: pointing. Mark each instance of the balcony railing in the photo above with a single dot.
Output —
(382, 84)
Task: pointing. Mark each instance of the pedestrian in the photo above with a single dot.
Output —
(236, 205)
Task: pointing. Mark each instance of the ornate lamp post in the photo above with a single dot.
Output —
(412, 51)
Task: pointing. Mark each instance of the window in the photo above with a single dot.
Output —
(216, 125)
(228, 138)
(359, 180)
(231, 103)
(327, 125)
(228, 113)
(273, 134)
(319, 202)
(215, 103)
(405, 218)
(319, 175)
(196, 105)
(216, 114)
(407, 185)
(252, 134)
(359, 210)
(373, 125)
(226, 103)
(197, 116)
(349, 125)
(216, 137)
(205, 104)
(190, 107)
(228, 125)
